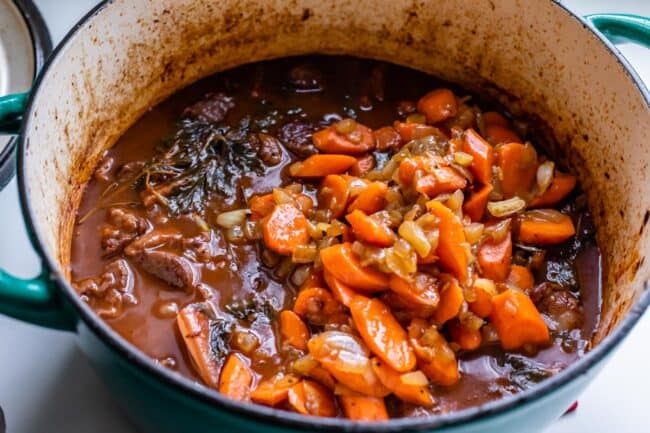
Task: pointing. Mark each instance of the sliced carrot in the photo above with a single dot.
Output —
(382, 332)
(311, 398)
(545, 232)
(261, 205)
(443, 180)
(407, 169)
(362, 408)
(493, 118)
(363, 165)
(194, 327)
(517, 321)
(435, 358)
(321, 165)
(341, 292)
(316, 305)
(422, 290)
(333, 194)
(451, 241)
(285, 228)
(451, 301)
(518, 164)
(494, 258)
(273, 391)
(343, 264)
(466, 338)
(293, 329)
(482, 154)
(358, 141)
(474, 207)
(369, 230)
(371, 199)
(415, 391)
(438, 105)
(236, 378)
(322, 376)
(413, 131)
(520, 276)
(482, 305)
(497, 134)
(560, 187)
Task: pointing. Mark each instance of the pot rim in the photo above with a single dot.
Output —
(277, 417)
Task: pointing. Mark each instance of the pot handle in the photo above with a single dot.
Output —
(621, 28)
(12, 108)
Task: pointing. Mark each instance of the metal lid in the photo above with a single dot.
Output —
(24, 44)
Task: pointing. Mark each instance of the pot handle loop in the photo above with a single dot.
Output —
(12, 108)
(622, 28)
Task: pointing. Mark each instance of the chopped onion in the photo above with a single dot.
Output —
(462, 158)
(486, 285)
(282, 196)
(284, 268)
(416, 118)
(498, 232)
(507, 207)
(473, 232)
(345, 126)
(544, 215)
(304, 253)
(545, 175)
(304, 365)
(300, 275)
(337, 228)
(415, 236)
(414, 378)
(232, 218)
(455, 200)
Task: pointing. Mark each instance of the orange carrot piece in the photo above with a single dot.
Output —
(520, 276)
(435, 358)
(451, 251)
(482, 306)
(560, 187)
(343, 264)
(369, 230)
(236, 378)
(311, 398)
(407, 169)
(359, 141)
(341, 292)
(362, 408)
(474, 207)
(451, 300)
(382, 332)
(517, 321)
(322, 376)
(293, 329)
(495, 258)
(410, 392)
(261, 205)
(194, 327)
(273, 391)
(442, 181)
(371, 199)
(316, 305)
(321, 165)
(334, 194)
(363, 165)
(493, 118)
(438, 105)
(413, 131)
(482, 154)
(421, 291)
(497, 134)
(285, 228)
(466, 338)
(518, 163)
(537, 231)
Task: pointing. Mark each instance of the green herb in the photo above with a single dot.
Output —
(220, 333)
(250, 308)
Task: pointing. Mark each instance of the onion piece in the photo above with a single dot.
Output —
(507, 207)
(545, 176)
(462, 158)
(232, 218)
(414, 378)
(415, 236)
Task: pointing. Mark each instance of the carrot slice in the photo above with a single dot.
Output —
(316, 304)
(236, 378)
(382, 332)
(343, 264)
(362, 408)
(474, 207)
(518, 163)
(322, 376)
(285, 228)
(482, 305)
(435, 358)
(273, 391)
(371, 199)
(363, 165)
(520, 276)
(497, 134)
(466, 338)
(321, 165)
(451, 300)
(443, 180)
(194, 326)
(358, 141)
(451, 250)
(413, 131)
(421, 291)
(533, 230)
(517, 321)
(494, 258)
(438, 105)
(406, 386)
(493, 118)
(311, 398)
(333, 194)
(341, 292)
(293, 329)
(559, 188)
(482, 154)
(261, 205)
(369, 230)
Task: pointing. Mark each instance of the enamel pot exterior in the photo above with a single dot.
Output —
(127, 55)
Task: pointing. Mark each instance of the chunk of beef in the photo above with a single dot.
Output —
(212, 108)
(268, 148)
(306, 78)
(404, 108)
(103, 170)
(296, 136)
(205, 247)
(111, 291)
(122, 228)
(558, 304)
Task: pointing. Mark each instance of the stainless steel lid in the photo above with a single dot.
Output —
(24, 44)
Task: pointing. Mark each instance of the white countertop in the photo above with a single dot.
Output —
(46, 385)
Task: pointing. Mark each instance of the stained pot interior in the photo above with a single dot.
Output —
(134, 53)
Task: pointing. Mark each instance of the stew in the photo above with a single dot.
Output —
(340, 237)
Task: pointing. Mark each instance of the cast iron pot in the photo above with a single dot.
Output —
(536, 57)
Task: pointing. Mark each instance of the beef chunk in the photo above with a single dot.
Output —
(306, 78)
(111, 291)
(559, 305)
(205, 247)
(122, 228)
(268, 149)
(212, 108)
(296, 136)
